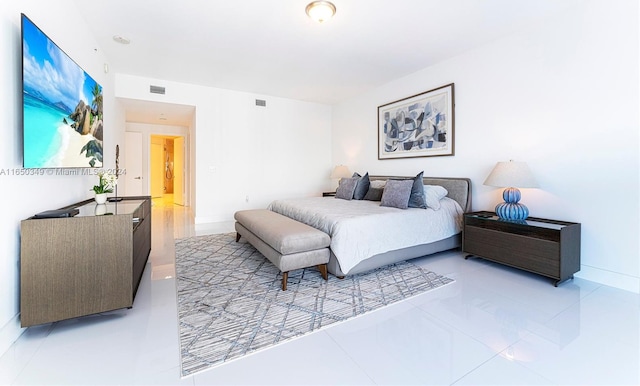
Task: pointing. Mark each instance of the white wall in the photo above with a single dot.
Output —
(242, 150)
(22, 195)
(563, 98)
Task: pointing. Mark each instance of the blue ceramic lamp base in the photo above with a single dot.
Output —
(510, 209)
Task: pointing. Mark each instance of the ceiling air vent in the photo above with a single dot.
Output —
(156, 90)
(261, 102)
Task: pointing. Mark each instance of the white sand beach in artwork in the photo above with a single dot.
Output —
(71, 143)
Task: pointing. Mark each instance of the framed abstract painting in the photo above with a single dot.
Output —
(417, 126)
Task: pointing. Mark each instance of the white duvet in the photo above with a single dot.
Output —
(360, 229)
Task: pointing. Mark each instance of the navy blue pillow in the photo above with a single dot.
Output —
(362, 187)
(417, 198)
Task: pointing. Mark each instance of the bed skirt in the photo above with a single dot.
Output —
(395, 256)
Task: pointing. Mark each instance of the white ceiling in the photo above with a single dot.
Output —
(271, 47)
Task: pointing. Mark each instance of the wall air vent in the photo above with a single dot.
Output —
(157, 90)
(261, 102)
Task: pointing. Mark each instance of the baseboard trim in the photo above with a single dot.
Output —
(9, 333)
(207, 220)
(609, 278)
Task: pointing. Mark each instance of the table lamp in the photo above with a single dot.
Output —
(340, 171)
(511, 175)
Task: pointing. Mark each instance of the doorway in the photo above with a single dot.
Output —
(152, 127)
(166, 170)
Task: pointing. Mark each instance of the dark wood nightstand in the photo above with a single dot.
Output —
(547, 247)
(328, 194)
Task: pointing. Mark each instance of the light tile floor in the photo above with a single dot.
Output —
(492, 326)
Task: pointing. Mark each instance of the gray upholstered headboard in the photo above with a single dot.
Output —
(459, 188)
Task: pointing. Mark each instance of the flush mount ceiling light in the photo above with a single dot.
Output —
(321, 10)
(121, 39)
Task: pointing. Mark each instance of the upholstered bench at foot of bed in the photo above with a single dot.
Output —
(287, 243)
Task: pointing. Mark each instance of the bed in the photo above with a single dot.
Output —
(365, 235)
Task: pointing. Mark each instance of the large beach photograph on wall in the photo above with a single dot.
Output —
(62, 106)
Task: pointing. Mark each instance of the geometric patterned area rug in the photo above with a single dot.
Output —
(230, 301)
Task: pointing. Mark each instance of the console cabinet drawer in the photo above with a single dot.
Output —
(539, 256)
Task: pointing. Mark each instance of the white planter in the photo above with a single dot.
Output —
(101, 198)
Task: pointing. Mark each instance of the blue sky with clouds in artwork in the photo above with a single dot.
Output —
(50, 72)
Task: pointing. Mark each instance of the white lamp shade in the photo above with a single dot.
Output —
(321, 10)
(511, 174)
(340, 171)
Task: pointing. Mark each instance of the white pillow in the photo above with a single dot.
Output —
(377, 184)
(433, 194)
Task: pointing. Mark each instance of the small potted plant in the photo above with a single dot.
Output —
(107, 181)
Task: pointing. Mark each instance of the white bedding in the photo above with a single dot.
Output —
(360, 229)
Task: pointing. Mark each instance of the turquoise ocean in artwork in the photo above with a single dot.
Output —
(41, 134)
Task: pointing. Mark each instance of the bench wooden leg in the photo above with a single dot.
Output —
(323, 271)
(285, 276)
(237, 237)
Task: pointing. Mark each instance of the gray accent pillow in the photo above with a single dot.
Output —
(374, 194)
(375, 190)
(346, 187)
(362, 187)
(417, 198)
(396, 194)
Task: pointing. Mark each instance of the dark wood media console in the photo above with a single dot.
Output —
(82, 265)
